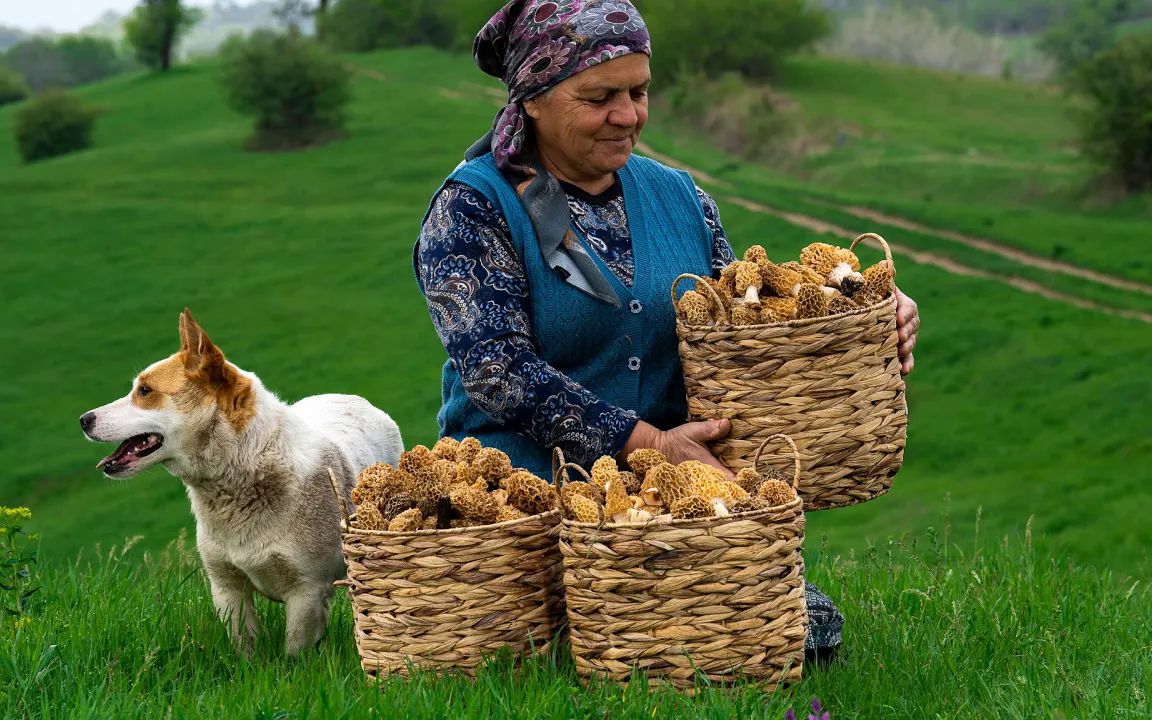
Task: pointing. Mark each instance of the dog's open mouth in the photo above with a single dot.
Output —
(130, 452)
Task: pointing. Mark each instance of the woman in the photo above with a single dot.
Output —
(546, 258)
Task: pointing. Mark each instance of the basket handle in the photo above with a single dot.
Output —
(700, 282)
(795, 457)
(883, 244)
(560, 469)
(339, 497)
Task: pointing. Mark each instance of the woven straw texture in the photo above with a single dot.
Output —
(721, 597)
(832, 384)
(449, 599)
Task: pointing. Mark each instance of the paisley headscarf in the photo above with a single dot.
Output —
(533, 45)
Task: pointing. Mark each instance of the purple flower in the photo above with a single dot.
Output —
(790, 715)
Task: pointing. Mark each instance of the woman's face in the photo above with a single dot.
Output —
(587, 126)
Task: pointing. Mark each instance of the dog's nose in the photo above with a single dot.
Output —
(87, 420)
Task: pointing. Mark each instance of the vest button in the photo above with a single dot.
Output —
(635, 307)
(633, 363)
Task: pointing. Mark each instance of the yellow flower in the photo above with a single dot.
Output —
(18, 513)
(22, 621)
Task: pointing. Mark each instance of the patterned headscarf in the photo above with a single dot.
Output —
(532, 46)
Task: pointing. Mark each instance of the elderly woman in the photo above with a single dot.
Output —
(547, 255)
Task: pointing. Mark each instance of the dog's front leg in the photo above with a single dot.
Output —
(232, 598)
(307, 611)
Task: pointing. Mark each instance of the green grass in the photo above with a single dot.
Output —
(298, 265)
(934, 631)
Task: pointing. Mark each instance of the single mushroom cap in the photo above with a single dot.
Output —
(811, 302)
(643, 460)
(406, 521)
(529, 493)
(581, 509)
(445, 448)
(694, 308)
(691, 506)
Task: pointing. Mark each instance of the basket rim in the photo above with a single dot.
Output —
(347, 529)
(802, 322)
(678, 522)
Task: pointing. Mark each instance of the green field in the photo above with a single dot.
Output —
(298, 266)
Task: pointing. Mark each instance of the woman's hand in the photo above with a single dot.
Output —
(685, 442)
(907, 325)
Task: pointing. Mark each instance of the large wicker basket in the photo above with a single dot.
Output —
(833, 384)
(449, 599)
(721, 598)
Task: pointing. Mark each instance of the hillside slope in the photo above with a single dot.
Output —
(298, 265)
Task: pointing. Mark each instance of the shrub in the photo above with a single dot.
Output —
(53, 123)
(744, 118)
(751, 37)
(363, 25)
(12, 86)
(295, 89)
(1117, 129)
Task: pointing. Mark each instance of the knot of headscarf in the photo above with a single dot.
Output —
(533, 45)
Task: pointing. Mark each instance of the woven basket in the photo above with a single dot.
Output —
(833, 384)
(718, 597)
(450, 599)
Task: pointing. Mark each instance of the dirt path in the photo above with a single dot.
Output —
(946, 264)
(926, 258)
(997, 249)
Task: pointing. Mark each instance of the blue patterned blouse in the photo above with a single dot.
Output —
(464, 230)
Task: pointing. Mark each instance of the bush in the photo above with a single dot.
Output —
(1117, 130)
(744, 118)
(294, 88)
(12, 86)
(751, 37)
(53, 123)
(363, 25)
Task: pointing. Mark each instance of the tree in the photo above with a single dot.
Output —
(1117, 130)
(39, 62)
(1088, 28)
(750, 37)
(363, 25)
(155, 27)
(88, 59)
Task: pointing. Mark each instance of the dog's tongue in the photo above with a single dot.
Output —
(130, 450)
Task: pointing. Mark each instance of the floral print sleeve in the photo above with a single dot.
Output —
(721, 250)
(477, 293)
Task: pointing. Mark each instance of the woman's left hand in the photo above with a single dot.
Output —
(907, 325)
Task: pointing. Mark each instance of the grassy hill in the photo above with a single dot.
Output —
(298, 265)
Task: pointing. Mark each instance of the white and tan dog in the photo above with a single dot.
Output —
(256, 471)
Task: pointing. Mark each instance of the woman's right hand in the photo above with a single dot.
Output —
(684, 442)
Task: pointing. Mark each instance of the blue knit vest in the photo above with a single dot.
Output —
(626, 355)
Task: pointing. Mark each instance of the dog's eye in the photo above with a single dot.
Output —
(144, 390)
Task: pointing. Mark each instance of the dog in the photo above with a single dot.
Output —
(257, 473)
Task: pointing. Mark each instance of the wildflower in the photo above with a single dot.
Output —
(18, 513)
(816, 711)
(22, 622)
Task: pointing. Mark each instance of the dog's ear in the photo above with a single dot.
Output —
(202, 359)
